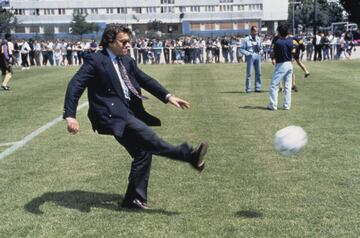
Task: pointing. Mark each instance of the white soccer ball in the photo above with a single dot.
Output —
(290, 140)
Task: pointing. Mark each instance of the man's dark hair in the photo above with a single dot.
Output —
(110, 33)
(283, 30)
(253, 28)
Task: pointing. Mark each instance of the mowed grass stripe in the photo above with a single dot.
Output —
(36, 98)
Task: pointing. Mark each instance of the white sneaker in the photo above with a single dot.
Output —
(270, 108)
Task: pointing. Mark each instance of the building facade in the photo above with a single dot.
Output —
(186, 17)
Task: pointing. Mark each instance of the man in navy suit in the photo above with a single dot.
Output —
(113, 81)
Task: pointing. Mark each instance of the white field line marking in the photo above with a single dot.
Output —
(33, 134)
(7, 144)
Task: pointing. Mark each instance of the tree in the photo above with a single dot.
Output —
(79, 26)
(327, 13)
(8, 21)
(352, 8)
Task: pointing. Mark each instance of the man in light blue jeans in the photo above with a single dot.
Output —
(283, 48)
(282, 71)
(252, 48)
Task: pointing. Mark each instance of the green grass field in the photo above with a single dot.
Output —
(60, 185)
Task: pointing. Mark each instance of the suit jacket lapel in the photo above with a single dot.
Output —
(114, 78)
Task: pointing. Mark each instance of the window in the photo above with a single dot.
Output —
(64, 28)
(255, 7)
(167, 9)
(61, 11)
(80, 11)
(240, 25)
(49, 11)
(226, 1)
(49, 29)
(19, 29)
(195, 9)
(225, 26)
(173, 28)
(34, 29)
(209, 26)
(19, 12)
(226, 8)
(109, 11)
(136, 9)
(195, 26)
(167, 1)
(209, 8)
(151, 10)
(241, 7)
(122, 10)
(35, 12)
(182, 9)
(94, 11)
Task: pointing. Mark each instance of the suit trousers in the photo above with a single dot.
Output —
(141, 142)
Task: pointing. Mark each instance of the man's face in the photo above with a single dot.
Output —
(121, 44)
(254, 32)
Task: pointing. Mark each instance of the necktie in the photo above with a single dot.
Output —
(127, 81)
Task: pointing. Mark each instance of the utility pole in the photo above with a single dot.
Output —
(293, 16)
(315, 17)
(315, 29)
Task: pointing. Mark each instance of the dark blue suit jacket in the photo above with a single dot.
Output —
(108, 108)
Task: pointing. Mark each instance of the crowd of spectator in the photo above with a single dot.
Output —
(183, 50)
(27, 53)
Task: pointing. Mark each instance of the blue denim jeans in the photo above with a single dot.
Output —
(283, 71)
(253, 60)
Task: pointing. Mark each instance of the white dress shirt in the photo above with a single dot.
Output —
(117, 69)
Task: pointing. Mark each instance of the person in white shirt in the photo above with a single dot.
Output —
(25, 49)
(57, 56)
(37, 52)
(318, 47)
(331, 39)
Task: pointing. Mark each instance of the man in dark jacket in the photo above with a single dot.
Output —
(113, 81)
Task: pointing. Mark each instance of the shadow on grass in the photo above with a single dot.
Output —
(234, 92)
(243, 92)
(84, 201)
(254, 107)
(248, 214)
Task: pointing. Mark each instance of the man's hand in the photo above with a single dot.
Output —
(178, 102)
(72, 125)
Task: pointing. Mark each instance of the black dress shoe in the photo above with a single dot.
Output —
(6, 88)
(197, 155)
(135, 204)
(307, 75)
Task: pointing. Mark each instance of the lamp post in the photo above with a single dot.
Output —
(315, 17)
(315, 30)
(293, 16)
